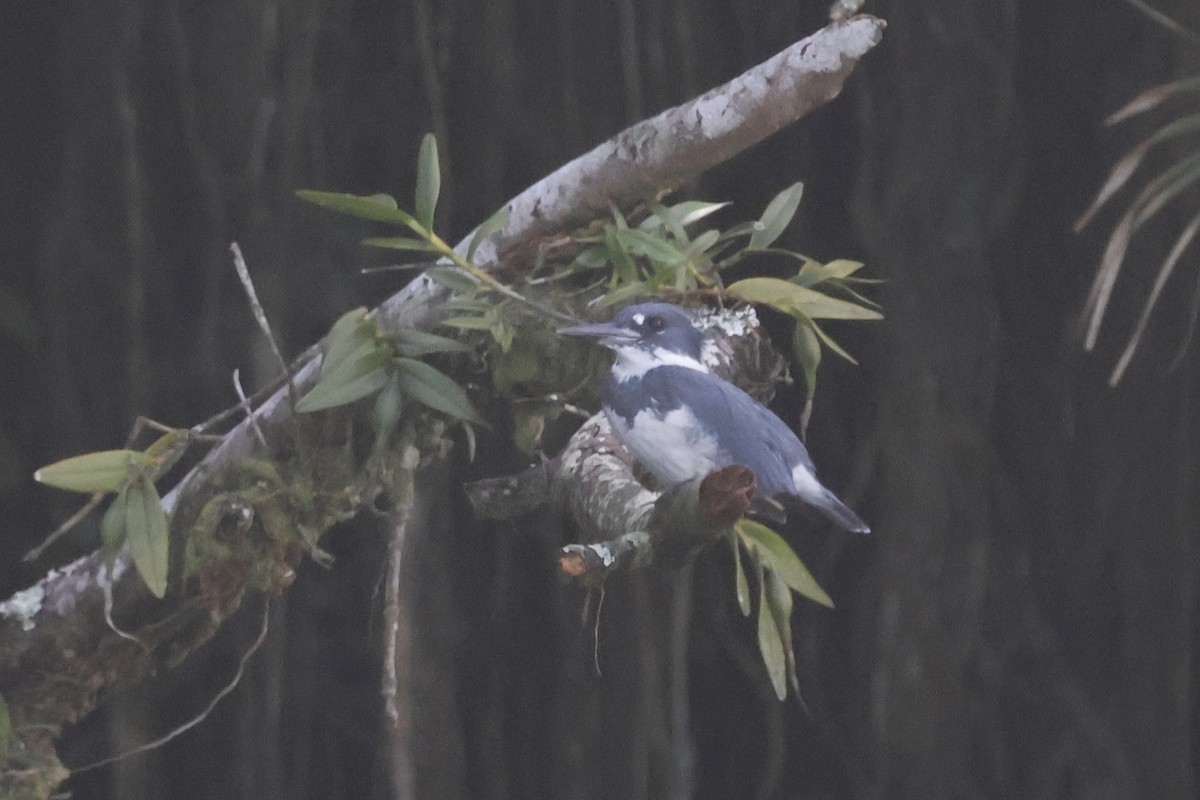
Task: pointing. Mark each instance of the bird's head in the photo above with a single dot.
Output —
(648, 335)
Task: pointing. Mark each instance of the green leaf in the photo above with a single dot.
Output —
(624, 269)
(401, 243)
(779, 601)
(5, 730)
(593, 257)
(167, 448)
(777, 216)
(664, 218)
(368, 356)
(491, 225)
(412, 343)
(376, 207)
(739, 575)
(624, 294)
(333, 393)
(103, 471)
(828, 341)
(429, 181)
(112, 527)
(357, 374)
(794, 299)
(435, 389)
(770, 645)
(702, 242)
(640, 242)
(814, 272)
(456, 279)
(468, 305)
(777, 556)
(469, 323)
(690, 211)
(389, 403)
(806, 347)
(148, 535)
(346, 335)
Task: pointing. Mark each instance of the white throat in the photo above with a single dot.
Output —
(634, 362)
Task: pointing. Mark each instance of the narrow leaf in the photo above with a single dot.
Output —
(702, 242)
(166, 449)
(148, 535)
(806, 347)
(651, 246)
(469, 323)
(1153, 97)
(377, 207)
(435, 389)
(690, 211)
(456, 279)
(623, 294)
(664, 217)
(330, 394)
(103, 471)
(828, 341)
(491, 225)
(794, 299)
(777, 216)
(623, 267)
(739, 576)
(369, 356)
(386, 414)
(112, 527)
(401, 243)
(770, 645)
(779, 600)
(592, 257)
(429, 181)
(1160, 281)
(346, 335)
(412, 343)
(778, 556)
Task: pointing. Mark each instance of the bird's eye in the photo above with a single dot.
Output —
(656, 324)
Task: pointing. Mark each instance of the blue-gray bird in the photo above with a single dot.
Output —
(683, 422)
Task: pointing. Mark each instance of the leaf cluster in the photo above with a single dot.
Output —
(135, 517)
(762, 558)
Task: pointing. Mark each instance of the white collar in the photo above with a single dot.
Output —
(634, 362)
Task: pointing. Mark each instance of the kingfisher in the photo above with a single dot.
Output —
(682, 421)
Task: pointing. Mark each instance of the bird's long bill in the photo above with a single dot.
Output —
(604, 332)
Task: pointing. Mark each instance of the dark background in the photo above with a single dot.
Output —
(1021, 624)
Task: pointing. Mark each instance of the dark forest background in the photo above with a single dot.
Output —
(1021, 624)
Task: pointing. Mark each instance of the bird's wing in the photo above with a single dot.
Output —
(749, 433)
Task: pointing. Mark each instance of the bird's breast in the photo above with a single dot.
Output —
(673, 445)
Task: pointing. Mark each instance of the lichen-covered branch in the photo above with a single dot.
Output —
(680, 522)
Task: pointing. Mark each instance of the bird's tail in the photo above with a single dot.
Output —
(837, 512)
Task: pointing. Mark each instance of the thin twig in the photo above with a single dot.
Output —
(260, 316)
(203, 715)
(72, 521)
(244, 402)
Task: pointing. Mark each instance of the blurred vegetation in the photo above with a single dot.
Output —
(1023, 622)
